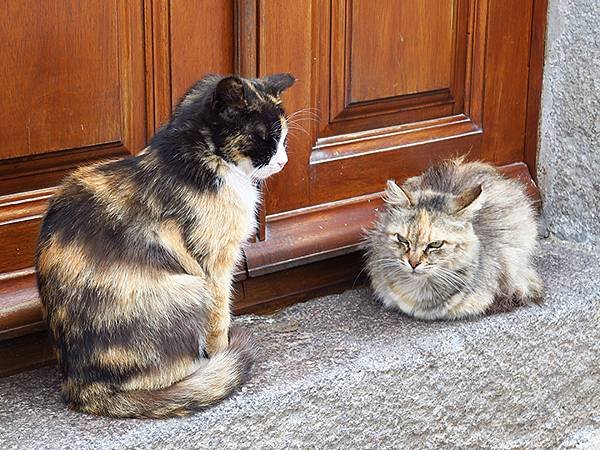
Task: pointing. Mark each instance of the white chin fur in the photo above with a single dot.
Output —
(267, 171)
(245, 166)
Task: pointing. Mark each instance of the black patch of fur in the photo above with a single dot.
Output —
(214, 114)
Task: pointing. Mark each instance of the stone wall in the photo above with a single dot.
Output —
(569, 154)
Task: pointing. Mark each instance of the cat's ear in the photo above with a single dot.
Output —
(469, 201)
(279, 82)
(229, 94)
(395, 195)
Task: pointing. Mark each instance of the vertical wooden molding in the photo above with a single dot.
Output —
(246, 65)
(476, 48)
(130, 15)
(460, 48)
(246, 37)
(339, 53)
(534, 89)
(149, 61)
(161, 58)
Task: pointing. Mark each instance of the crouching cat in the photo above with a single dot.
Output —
(135, 256)
(456, 241)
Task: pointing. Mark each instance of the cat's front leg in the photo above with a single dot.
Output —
(217, 338)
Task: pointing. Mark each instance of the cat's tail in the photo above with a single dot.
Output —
(215, 380)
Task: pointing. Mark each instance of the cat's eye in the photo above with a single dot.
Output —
(402, 240)
(435, 244)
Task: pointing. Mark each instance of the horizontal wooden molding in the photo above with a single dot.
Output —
(40, 171)
(20, 216)
(274, 290)
(392, 138)
(20, 311)
(311, 234)
(25, 352)
(24, 206)
(394, 105)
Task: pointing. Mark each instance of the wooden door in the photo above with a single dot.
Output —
(385, 87)
(395, 85)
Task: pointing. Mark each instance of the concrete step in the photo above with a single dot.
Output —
(342, 372)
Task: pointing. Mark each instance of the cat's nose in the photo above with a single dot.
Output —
(414, 263)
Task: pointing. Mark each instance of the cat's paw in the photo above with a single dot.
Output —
(530, 290)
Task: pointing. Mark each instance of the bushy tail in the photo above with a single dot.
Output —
(220, 376)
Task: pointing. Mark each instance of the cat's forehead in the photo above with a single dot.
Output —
(433, 201)
(421, 224)
(401, 220)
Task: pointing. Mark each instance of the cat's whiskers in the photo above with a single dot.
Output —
(307, 114)
(299, 119)
(453, 279)
(449, 281)
(297, 127)
(314, 112)
(358, 275)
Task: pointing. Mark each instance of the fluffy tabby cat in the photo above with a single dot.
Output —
(456, 241)
(135, 256)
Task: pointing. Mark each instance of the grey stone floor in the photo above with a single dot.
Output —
(342, 372)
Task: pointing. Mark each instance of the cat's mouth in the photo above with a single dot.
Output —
(414, 273)
(418, 271)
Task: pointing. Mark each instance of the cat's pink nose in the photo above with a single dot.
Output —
(414, 263)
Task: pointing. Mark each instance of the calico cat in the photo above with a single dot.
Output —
(456, 241)
(135, 256)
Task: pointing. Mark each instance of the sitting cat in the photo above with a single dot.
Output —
(454, 242)
(135, 256)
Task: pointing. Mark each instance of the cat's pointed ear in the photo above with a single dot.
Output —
(229, 94)
(469, 201)
(395, 195)
(279, 82)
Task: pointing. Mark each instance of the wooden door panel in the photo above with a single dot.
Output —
(213, 53)
(415, 109)
(73, 78)
(398, 48)
(393, 62)
(191, 39)
(84, 58)
(73, 87)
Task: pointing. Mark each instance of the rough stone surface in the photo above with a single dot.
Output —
(569, 156)
(342, 372)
